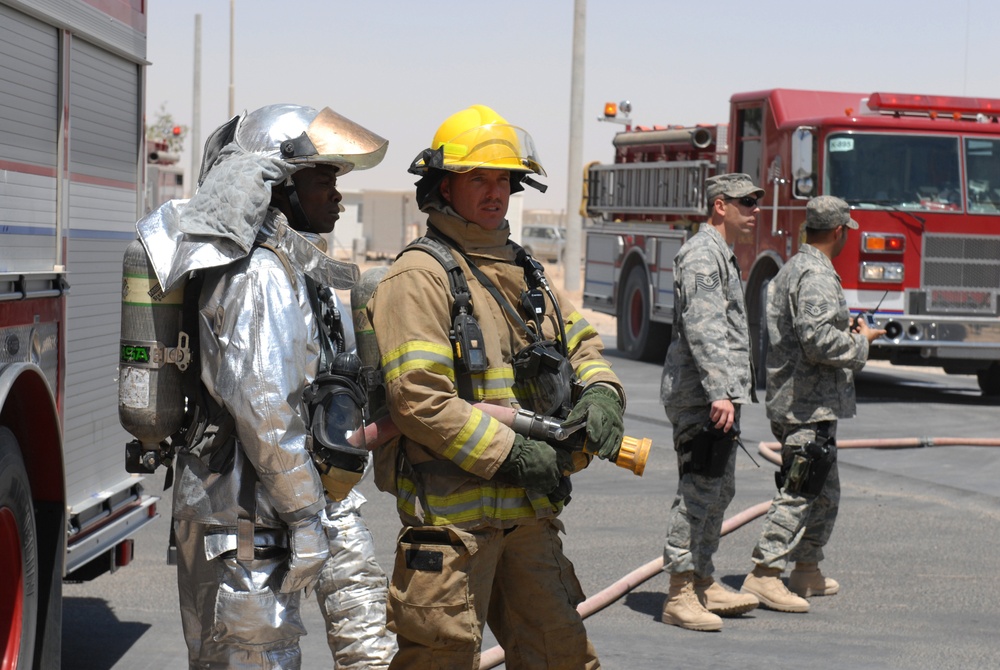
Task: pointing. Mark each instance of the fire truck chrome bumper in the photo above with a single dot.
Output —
(106, 535)
(941, 336)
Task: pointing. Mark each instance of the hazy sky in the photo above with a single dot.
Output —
(400, 67)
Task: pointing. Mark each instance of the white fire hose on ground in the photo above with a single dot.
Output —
(494, 656)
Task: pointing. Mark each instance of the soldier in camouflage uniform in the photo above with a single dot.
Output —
(813, 353)
(707, 375)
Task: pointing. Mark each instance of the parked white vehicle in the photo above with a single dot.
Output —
(544, 242)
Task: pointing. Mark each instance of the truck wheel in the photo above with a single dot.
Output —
(18, 558)
(989, 379)
(640, 338)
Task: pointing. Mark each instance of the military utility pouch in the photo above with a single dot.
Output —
(809, 468)
(708, 453)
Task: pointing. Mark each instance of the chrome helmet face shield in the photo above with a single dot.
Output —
(304, 136)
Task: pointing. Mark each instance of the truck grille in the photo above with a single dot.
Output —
(961, 273)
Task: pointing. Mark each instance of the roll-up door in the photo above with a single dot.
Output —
(29, 92)
(104, 142)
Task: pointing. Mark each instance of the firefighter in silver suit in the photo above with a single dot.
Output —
(249, 500)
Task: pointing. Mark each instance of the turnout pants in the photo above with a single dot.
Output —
(798, 526)
(447, 583)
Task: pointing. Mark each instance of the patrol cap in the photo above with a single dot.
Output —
(826, 212)
(732, 185)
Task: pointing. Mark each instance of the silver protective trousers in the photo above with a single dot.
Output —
(352, 590)
(231, 616)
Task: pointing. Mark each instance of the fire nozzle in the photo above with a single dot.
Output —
(632, 454)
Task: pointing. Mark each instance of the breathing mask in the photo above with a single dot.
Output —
(336, 405)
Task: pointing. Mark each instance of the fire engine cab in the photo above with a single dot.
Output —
(922, 176)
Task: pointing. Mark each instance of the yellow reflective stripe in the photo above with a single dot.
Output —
(487, 502)
(541, 502)
(577, 330)
(406, 495)
(472, 440)
(494, 384)
(591, 368)
(418, 355)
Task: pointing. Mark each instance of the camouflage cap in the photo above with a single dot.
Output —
(732, 185)
(826, 212)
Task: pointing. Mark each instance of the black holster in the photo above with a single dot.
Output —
(807, 467)
(707, 454)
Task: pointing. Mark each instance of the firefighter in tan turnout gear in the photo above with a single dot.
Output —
(259, 458)
(479, 503)
(813, 354)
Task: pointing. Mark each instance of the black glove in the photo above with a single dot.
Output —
(602, 408)
(531, 464)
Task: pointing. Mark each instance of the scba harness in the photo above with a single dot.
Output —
(543, 376)
(544, 379)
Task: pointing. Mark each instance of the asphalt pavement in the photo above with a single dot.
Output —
(915, 550)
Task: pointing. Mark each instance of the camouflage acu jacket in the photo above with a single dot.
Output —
(812, 354)
(709, 358)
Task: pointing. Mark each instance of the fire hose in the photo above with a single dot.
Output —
(494, 656)
(770, 450)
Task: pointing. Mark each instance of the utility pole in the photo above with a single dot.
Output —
(192, 180)
(232, 58)
(574, 190)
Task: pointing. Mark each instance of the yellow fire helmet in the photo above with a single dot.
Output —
(478, 137)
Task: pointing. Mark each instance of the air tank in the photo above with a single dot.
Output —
(154, 353)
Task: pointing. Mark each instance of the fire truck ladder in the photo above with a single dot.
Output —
(674, 187)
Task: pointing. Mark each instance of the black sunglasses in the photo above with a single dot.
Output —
(746, 201)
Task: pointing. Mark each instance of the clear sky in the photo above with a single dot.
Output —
(400, 67)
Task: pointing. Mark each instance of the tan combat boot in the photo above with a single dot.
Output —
(766, 584)
(719, 600)
(683, 609)
(806, 580)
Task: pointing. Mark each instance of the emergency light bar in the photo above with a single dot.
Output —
(902, 102)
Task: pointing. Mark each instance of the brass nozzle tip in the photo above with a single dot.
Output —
(633, 454)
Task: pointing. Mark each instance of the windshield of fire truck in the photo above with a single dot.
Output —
(913, 172)
(982, 167)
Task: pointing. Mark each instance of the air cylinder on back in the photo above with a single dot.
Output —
(154, 353)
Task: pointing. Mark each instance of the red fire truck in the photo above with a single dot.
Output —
(72, 161)
(922, 176)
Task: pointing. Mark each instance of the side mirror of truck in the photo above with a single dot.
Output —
(803, 162)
